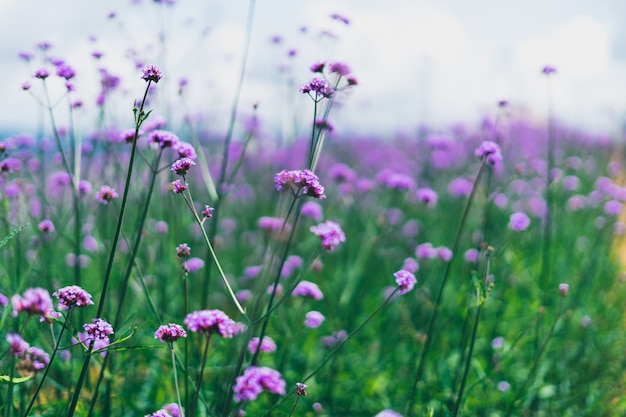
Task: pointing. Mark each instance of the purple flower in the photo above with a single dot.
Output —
(178, 187)
(308, 289)
(330, 233)
(208, 211)
(613, 208)
(3, 300)
(183, 250)
(106, 194)
(313, 210)
(170, 332)
(489, 152)
(182, 166)
(339, 68)
(427, 196)
(425, 251)
(34, 360)
(256, 379)
(164, 139)
(411, 265)
(318, 67)
(405, 280)
(173, 409)
(547, 70)
(211, 321)
(317, 88)
(159, 413)
(340, 18)
(564, 289)
(98, 344)
(267, 345)
(399, 182)
(18, 345)
(65, 71)
(388, 413)
(519, 221)
(301, 389)
(72, 296)
(314, 319)
(503, 386)
(151, 73)
(497, 342)
(471, 255)
(300, 180)
(444, 253)
(34, 301)
(194, 264)
(42, 73)
(185, 150)
(459, 187)
(10, 165)
(98, 329)
(46, 226)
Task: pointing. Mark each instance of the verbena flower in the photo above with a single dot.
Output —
(170, 332)
(164, 139)
(388, 413)
(547, 70)
(106, 194)
(298, 181)
(317, 88)
(98, 329)
(339, 68)
(211, 321)
(208, 211)
(519, 221)
(564, 289)
(301, 389)
(308, 289)
(178, 186)
(159, 413)
(46, 226)
(151, 73)
(405, 280)
(427, 196)
(42, 74)
(183, 250)
(182, 166)
(185, 150)
(194, 264)
(18, 345)
(267, 345)
(330, 233)
(34, 301)
(173, 409)
(72, 296)
(489, 152)
(257, 379)
(313, 210)
(314, 319)
(34, 360)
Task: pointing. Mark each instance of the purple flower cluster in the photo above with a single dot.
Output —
(164, 139)
(170, 332)
(72, 296)
(317, 88)
(211, 321)
(300, 180)
(182, 166)
(257, 379)
(489, 152)
(519, 221)
(106, 194)
(151, 73)
(314, 319)
(32, 359)
(308, 289)
(267, 345)
(405, 280)
(34, 301)
(330, 233)
(98, 329)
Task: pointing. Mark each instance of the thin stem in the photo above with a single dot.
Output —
(182, 413)
(194, 403)
(52, 356)
(9, 403)
(433, 318)
(295, 404)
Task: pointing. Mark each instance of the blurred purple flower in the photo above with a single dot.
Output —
(330, 233)
(267, 345)
(106, 194)
(314, 319)
(34, 301)
(151, 73)
(255, 380)
(460, 187)
(98, 329)
(72, 296)
(427, 196)
(211, 321)
(519, 221)
(405, 280)
(170, 332)
(300, 180)
(308, 289)
(46, 226)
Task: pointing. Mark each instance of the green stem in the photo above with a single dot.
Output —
(433, 318)
(194, 403)
(182, 413)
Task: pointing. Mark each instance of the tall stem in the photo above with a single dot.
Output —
(194, 403)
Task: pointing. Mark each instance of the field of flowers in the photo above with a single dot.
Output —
(162, 268)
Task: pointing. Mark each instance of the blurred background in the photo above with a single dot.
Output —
(417, 62)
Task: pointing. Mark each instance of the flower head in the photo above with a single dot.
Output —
(267, 345)
(18, 345)
(151, 73)
(178, 186)
(106, 194)
(164, 138)
(182, 166)
(208, 211)
(339, 68)
(72, 296)
(211, 321)
(388, 413)
(255, 380)
(314, 319)
(183, 250)
(489, 152)
(519, 221)
(170, 332)
(308, 289)
(301, 389)
(547, 70)
(46, 226)
(317, 88)
(34, 301)
(42, 73)
(300, 180)
(330, 233)
(564, 289)
(405, 280)
(98, 329)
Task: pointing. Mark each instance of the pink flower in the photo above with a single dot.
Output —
(330, 233)
(314, 319)
(308, 289)
(405, 280)
(267, 345)
(255, 380)
(106, 194)
(170, 332)
(300, 182)
(211, 321)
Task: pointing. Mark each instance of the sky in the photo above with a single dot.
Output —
(417, 62)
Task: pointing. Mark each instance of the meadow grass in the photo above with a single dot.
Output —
(217, 275)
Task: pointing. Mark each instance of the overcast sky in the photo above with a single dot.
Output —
(431, 62)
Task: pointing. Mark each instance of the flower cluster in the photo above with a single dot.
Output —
(300, 180)
(489, 152)
(72, 296)
(211, 321)
(257, 379)
(164, 139)
(182, 166)
(308, 289)
(98, 329)
(330, 233)
(267, 345)
(405, 280)
(170, 332)
(317, 88)
(151, 73)
(519, 221)
(106, 194)
(34, 301)
(31, 359)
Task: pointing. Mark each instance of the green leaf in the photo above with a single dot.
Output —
(7, 378)
(12, 234)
